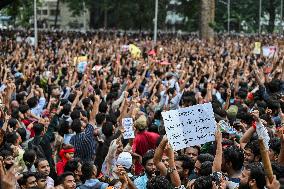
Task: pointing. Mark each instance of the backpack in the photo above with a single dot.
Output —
(97, 186)
(35, 145)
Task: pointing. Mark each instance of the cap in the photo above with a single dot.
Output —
(124, 159)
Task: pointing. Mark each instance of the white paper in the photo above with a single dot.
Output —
(127, 123)
(269, 51)
(190, 126)
(263, 134)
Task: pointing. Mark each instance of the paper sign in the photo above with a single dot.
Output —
(97, 67)
(257, 48)
(263, 134)
(135, 51)
(127, 123)
(190, 126)
(165, 63)
(79, 59)
(30, 40)
(269, 51)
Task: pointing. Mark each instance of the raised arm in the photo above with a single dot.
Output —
(158, 157)
(217, 163)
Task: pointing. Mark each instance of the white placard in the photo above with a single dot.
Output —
(190, 126)
(263, 134)
(127, 123)
(269, 51)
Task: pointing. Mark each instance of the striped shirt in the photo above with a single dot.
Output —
(84, 144)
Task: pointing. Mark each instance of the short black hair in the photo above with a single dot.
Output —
(160, 182)
(147, 156)
(40, 176)
(66, 109)
(23, 181)
(32, 102)
(187, 162)
(203, 182)
(13, 122)
(257, 173)
(62, 177)
(72, 165)
(23, 133)
(254, 147)
(12, 137)
(75, 114)
(107, 129)
(38, 161)
(29, 156)
(100, 117)
(38, 128)
(6, 153)
(24, 108)
(76, 126)
(103, 107)
(234, 155)
(87, 170)
(205, 157)
(275, 145)
(206, 168)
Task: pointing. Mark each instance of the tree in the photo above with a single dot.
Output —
(206, 18)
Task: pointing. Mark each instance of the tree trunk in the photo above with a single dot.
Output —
(56, 14)
(207, 17)
(272, 13)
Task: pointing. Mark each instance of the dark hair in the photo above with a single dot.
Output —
(103, 107)
(23, 133)
(147, 156)
(62, 177)
(203, 182)
(76, 126)
(12, 137)
(6, 153)
(29, 157)
(72, 97)
(86, 102)
(234, 155)
(107, 129)
(254, 147)
(100, 117)
(160, 182)
(38, 161)
(275, 145)
(38, 128)
(66, 109)
(111, 118)
(206, 168)
(32, 102)
(12, 123)
(24, 108)
(257, 173)
(23, 181)
(40, 176)
(75, 114)
(87, 170)
(187, 162)
(63, 127)
(72, 165)
(205, 157)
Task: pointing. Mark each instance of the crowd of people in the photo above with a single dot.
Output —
(61, 121)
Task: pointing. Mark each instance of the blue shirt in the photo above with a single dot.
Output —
(141, 182)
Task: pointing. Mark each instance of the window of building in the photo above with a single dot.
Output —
(53, 12)
(44, 12)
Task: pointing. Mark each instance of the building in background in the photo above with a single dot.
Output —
(47, 14)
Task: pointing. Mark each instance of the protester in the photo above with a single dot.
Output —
(63, 107)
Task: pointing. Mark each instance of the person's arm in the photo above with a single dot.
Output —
(281, 154)
(158, 157)
(175, 179)
(227, 103)
(41, 103)
(248, 134)
(217, 163)
(76, 100)
(95, 110)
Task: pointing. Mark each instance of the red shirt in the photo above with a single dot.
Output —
(143, 142)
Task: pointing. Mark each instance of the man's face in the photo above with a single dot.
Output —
(9, 162)
(41, 183)
(244, 179)
(69, 182)
(180, 169)
(197, 167)
(150, 167)
(43, 167)
(31, 182)
(249, 157)
(192, 153)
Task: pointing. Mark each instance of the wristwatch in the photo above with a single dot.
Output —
(171, 170)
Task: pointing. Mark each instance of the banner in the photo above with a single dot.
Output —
(257, 48)
(127, 123)
(269, 51)
(190, 126)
